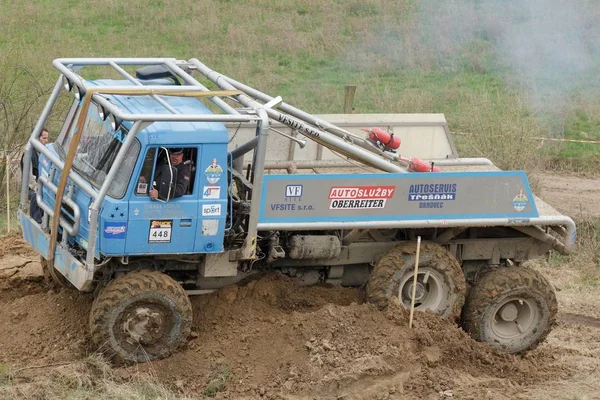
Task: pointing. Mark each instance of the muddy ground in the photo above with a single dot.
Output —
(271, 339)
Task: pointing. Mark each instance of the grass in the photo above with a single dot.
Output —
(577, 275)
(93, 378)
(405, 56)
(219, 380)
(89, 378)
(587, 256)
(14, 204)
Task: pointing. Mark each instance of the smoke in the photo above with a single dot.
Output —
(546, 50)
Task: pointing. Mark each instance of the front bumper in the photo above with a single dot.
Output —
(64, 262)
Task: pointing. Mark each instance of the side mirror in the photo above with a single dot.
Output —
(166, 186)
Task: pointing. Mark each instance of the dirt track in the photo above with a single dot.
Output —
(280, 341)
(574, 196)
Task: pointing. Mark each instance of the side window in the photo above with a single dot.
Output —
(183, 159)
(142, 185)
(190, 158)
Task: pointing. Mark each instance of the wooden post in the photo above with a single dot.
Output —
(349, 92)
(7, 177)
(414, 288)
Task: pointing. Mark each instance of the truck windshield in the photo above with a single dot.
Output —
(97, 151)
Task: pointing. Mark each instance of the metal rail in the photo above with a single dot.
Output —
(329, 140)
(567, 236)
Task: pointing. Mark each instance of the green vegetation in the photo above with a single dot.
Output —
(585, 261)
(404, 56)
(219, 380)
(90, 378)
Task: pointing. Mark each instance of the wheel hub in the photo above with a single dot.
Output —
(514, 318)
(144, 325)
(509, 312)
(420, 291)
(429, 293)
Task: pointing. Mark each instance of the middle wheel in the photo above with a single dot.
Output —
(441, 284)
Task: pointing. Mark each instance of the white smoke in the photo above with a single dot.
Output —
(547, 50)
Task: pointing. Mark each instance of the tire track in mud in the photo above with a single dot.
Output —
(580, 319)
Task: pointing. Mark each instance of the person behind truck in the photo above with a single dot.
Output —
(183, 174)
(34, 209)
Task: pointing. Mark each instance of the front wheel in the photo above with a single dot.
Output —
(141, 316)
(512, 309)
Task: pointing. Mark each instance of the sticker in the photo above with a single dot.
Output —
(142, 187)
(211, 192)
(293, 191)
(439, 191)
(115, 230)
(213, 172)
(520, 201)
(136, 212)
(160, 231)
(211, 210)
(360, 197)
(210, 227)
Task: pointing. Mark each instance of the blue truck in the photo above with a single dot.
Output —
(146, 202)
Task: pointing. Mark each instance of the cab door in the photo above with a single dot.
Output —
(162, 227)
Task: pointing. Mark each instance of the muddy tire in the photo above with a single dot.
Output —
(141, 316)
(441, 283)
(512, 309)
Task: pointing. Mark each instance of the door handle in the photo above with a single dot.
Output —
(185, 223)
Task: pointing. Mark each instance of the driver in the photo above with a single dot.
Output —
(183, 174)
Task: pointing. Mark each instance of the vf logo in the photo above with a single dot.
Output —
(293, 191)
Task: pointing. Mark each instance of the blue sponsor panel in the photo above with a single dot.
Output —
(387, 196)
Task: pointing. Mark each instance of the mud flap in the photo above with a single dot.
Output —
(71, 268)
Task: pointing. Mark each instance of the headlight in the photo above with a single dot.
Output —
(114, 122)
(102, 113)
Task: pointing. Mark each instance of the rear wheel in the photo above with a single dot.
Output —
(440, 285)
(512, 309)
(141, 316)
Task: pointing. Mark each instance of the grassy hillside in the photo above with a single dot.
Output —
(491, 68)
(502, 73)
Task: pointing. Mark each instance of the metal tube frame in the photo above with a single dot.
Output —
(72, 229)
(248, 250)
(310, 164)
(34, 138)
(326, 139)
(327, 126)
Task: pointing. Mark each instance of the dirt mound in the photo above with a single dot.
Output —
(270, 338)
(273, 339)
(14, 245)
